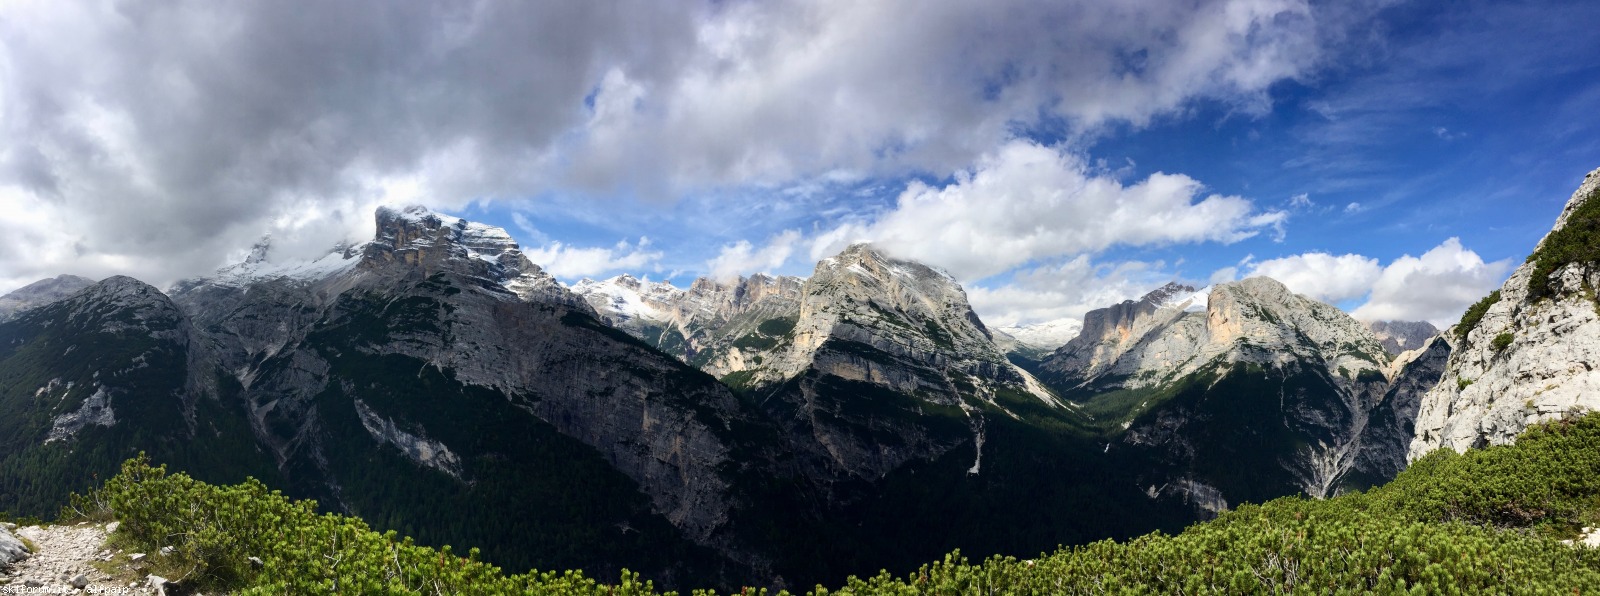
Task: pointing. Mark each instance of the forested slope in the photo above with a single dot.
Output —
(1488, 521)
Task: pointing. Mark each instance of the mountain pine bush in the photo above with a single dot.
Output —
(1488, 521)
(1576, 242)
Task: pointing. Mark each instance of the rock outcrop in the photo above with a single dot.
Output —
(1532, 355)
(12, 549)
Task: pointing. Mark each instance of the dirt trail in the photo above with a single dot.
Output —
(64, 563)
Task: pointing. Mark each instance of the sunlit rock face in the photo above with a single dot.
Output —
(1530, 358)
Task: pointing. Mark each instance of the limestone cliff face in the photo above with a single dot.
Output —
(461, 299)
(1258, 321)
(1529, 358)
(901, 308)
(1110, 333)
(1386, 440)
(430, 242)
(1193, 376)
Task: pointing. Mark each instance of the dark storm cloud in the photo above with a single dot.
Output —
(155, 125)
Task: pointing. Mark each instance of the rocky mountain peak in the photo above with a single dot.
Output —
(1530, 351)
(1171, 333)
(40, 293)
(433, 242)
(122, 304)
(1167, 293)
(863, 301)
(259, 250)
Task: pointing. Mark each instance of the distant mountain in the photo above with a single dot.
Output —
(766, 429)
(1247, 391)
(700, 325)
(1402, 336)
(1037, 340)
(1530, 351)
(40, 293)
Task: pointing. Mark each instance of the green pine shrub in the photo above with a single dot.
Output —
(1474, 314)
(1576, 242)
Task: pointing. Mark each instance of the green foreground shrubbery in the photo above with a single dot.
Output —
(1488, 521)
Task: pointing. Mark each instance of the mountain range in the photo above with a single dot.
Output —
(762, 430)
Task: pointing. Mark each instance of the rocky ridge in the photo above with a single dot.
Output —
(453, 295)
(1174, 364)
(1529, 358)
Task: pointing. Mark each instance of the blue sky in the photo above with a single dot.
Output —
(1394, 158)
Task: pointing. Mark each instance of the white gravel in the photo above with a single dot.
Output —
(65, 553)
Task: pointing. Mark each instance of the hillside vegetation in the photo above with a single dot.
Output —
(1488, 521)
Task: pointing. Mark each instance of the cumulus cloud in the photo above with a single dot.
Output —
(1028, 202)
(1436, 287)
(165, 134)
(1063, 291)
(1323, 276)
(571, 262)
(742, 257)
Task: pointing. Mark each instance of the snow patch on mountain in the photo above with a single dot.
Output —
(260, 266)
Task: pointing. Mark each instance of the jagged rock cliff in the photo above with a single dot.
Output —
(1533, 353)
(458, 300)
(1245, 376)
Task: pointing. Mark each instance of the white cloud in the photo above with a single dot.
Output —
(1300, 201)
(1323, 276)
(742, 257)
(1436, 287)
(1027, 202)
(173, 148)
(781, 90)
(1064, 291)
(1353, 208)
(570, 262)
